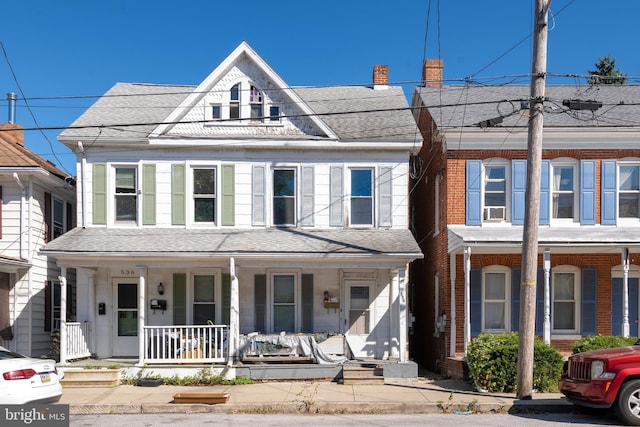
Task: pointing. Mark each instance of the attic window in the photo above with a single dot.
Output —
(255, 100)
(234, 102)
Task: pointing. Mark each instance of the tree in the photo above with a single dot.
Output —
(606, 72)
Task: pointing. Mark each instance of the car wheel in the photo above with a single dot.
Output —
(628, 404)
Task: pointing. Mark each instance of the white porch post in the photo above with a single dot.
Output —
(547, 297)
(92, 308)
(142, 284)
(63, 314)
(234, 315)
(402, 314)
(394, 352)
(452, 309)
(467, 297)
(625, 292)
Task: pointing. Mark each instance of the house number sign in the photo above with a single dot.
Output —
(125, 272)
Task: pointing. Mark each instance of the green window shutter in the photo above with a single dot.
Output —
(307, 196)
(179, 299)
(226, 298)
(307, 303)
(148, 194)
(386, 200)
(228, 195)
(178, 194)
(258, 195)
(100, 193)
(260, 301)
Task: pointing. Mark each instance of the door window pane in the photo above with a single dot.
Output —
(127, 309)
(284, 303)
(203, 299)
(359, 309)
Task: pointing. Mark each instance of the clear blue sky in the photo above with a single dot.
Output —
(80, 48)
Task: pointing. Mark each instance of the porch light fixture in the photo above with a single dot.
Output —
(161, 288)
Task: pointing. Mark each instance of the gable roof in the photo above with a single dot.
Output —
(468, 106)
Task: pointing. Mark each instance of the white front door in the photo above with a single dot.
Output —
(359, 317)
(125, 340)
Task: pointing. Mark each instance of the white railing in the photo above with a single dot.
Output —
(186, 344)
(78, 340)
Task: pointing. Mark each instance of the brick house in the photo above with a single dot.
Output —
(468, 211)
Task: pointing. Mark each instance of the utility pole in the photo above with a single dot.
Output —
(532, 203)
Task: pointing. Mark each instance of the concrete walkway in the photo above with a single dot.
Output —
(419, 395)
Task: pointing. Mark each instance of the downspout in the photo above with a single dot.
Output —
(467, 297)
(83, 166)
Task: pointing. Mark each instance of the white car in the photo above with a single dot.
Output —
(27, 380)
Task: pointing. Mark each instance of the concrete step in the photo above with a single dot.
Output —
(362, 375)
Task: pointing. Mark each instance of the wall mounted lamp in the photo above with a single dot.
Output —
(161, 288)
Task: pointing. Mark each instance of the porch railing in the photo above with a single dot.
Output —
(186, 344)
(78, 340)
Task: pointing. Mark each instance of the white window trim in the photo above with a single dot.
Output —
(190, 208)
(577, 281)
(494, 162)
(223, 99)
(623, 220)
(507, 295)
(374, 196)
(297, 193)
(217, 273)
(576, 191)
(111, 195)
(297, 297)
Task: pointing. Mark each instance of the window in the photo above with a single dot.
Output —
(359, 311)
(234, 102)
(216, 111)
(204, 195)
(204, 302)
(495, 196)
(284, 199)
(563, 192)
(284, 303)
(629, 193)
(495, 306)
(274, 113)
(126, 194)
(58, 218)
(564, 301)
(362, 196)
(255, 101)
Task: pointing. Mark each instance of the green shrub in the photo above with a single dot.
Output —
(597, 342)
(493, 363)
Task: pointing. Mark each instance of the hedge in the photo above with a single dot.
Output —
(597, 342)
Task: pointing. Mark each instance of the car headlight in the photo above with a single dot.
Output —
(597, 371)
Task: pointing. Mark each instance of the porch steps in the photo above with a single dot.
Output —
(91, 378)
(362, 374)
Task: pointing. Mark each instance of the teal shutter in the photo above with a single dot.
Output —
(589, 311)
(258, 195)
(178, 194)
(609, 198)
(307, 196)
(518, 190)
(228, 195)
(587, 192)
(475, 301)
(148, 194)
(307, 303)
(616, 306)
(336, 196)
(260, 302)
(99, 193)
(474, 192)
(225, 291)
(179, 299)
(545, 193)
(386, 199)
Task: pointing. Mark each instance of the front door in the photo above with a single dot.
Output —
(125, 341)
(359, 317)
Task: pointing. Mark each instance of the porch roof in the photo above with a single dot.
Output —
(183, 243)
(577, 239)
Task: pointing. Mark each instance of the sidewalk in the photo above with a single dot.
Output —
(406, 396)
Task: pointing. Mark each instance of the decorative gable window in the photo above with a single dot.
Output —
(274, 113)
(204, 195)
(255, 103)
(216, 111)
(126, 194)
(234, 102)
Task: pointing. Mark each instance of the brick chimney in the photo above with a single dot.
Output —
(380, 77)
(432, 73)
(12, 133)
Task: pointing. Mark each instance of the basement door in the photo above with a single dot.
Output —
(359, 317)
(125, 340)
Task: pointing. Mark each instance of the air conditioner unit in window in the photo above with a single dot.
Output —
(494, 213)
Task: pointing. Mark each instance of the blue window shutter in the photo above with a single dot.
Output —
(616, 307)
(609, 202)
(515, 299)
(545, 190)
(587, 192)
(474, 191)
(475, 301)
(540, 302)
(589, 310)
(518, 189)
